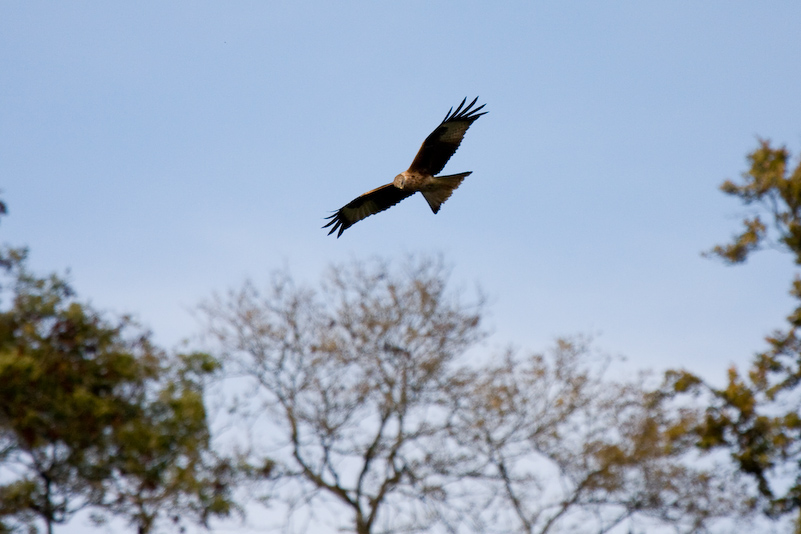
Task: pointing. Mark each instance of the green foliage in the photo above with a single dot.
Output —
(756, 416)
(163, 466)
(93, 415)
(68, 379)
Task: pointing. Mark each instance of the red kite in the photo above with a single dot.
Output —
(437, 149)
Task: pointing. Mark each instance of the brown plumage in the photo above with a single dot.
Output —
(437, 149)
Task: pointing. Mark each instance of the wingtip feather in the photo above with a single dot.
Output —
(458, 109)
(337, 223)
(466, 113)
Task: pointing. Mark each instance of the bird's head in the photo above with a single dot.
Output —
(399, 181)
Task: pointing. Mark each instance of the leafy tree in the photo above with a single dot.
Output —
(756, 415)
(67, 378)
(162, 466)
(89, 411)
(371, 402)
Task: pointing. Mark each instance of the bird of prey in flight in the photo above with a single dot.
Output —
(437, 149)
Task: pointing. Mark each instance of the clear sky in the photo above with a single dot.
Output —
(161, 151)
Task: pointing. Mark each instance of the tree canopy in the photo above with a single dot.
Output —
(93, 415)
(755, 415)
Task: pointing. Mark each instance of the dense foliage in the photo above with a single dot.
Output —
(93, 415)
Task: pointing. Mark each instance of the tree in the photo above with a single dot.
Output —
(67, 377)
(162, 466)
(370, 401)
(90, 409)
(354, 379)
(756, 415)
(568, 449)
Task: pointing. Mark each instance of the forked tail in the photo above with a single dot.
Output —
(445, 185)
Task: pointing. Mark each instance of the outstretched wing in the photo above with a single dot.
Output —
(369, 203)
(440, 145)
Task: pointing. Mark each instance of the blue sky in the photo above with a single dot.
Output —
(163, 151)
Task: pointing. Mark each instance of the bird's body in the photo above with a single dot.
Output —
(413, 180)
(437, 149)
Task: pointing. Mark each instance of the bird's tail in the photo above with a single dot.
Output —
(445, 185)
